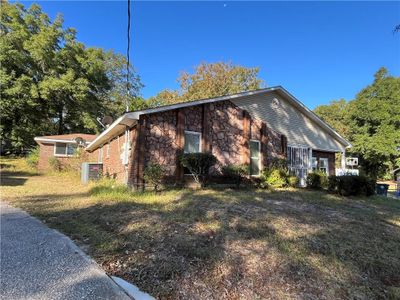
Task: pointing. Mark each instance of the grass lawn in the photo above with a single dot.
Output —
(222, 244)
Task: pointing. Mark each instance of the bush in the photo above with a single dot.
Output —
(33, 157)
(278, 163)
(236, 172)
(293, 181)
(332, 183)
(154, 174)
(317, 180)
(352, 185)
(275, 178)
(55, 164)
(198, 165)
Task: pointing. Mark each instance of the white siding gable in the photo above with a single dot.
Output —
(283, 116)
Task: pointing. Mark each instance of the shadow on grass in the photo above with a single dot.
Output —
(200, 244)
(15, 178)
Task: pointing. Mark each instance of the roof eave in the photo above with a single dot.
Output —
(116, 128)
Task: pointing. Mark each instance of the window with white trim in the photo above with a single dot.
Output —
(314, 163)
(255, 149)
(64, 149)
(192, 142)
(324, 165)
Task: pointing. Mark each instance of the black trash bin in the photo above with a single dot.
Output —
(382, 189)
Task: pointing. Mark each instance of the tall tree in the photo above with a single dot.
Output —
(336, 115)
(210, 80)
(371, 122)
(375, 124)
(51, 83)
(165, 97)
(218, 79)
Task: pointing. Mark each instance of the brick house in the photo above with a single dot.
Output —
(61, 147)
(252, 127)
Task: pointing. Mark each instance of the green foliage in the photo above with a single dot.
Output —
(336, 115)
(164, 97)
(375, 123)
(371, 122)
(50, 82)
(274, 177)
(317, 180)
(351, 185)
(33, 157)
(55, 164)
(293, 181)
(236, 172)
(153, 174)
(210, 80)
(198, 165)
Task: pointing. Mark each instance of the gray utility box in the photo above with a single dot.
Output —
(91, 171)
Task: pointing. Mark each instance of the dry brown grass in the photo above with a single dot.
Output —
(223, 244)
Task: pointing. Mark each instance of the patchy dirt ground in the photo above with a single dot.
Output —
(223, 244)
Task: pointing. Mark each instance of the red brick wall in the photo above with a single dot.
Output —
(331, 159)
(47, 151)
(222, 127)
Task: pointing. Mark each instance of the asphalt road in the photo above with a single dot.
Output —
(37, 262)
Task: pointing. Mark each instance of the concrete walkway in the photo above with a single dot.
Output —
(40, 263)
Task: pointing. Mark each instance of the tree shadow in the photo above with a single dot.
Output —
(212, 244)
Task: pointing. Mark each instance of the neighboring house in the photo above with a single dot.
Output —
(62, 147)
(252, 127)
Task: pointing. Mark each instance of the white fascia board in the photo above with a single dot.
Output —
(49, 140)
(117, 127)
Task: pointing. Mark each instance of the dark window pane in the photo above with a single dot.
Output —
(192, 143)
(61, 148)
(254, 149)
(71, 149)
(254, 166)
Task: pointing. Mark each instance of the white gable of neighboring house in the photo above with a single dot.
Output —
(288, 117)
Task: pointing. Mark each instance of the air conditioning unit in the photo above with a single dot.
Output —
(91, 171)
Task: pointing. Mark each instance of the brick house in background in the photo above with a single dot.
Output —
(61, 147)
(252, 127)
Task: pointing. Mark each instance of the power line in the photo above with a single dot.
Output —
(128, 56)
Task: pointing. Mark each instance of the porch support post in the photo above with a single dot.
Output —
(343, 160)
(310, 160)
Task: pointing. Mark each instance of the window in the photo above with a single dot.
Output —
(64, 149)
(314, 163)
(108, 150)
(254, 157)
(101, 154)
(192, 142)
(323, 165)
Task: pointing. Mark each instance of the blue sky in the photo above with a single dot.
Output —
(319, 51)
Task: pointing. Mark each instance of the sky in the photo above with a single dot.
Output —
(319, 51)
